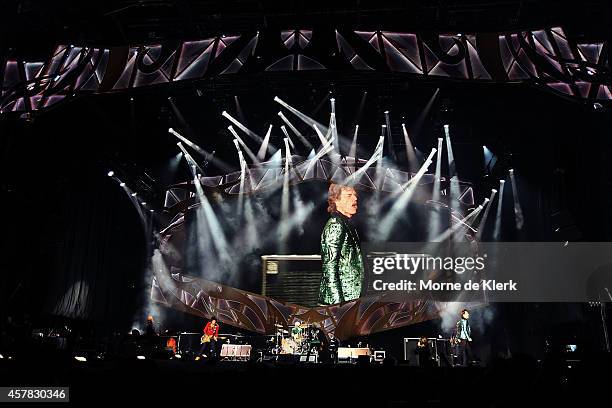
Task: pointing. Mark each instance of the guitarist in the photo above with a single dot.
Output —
(209, 338)
(463, 339)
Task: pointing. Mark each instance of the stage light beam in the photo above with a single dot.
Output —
(435, 216)
(261, 153)
(353, 149)
(322, 138)
(284, 129)
(390, 136)
(387, 223)
(498, 215)
(465, 222)
(240, 126)
(249, 152)
(296, 131)
(413, 162)
(483, 220)
(518, 211)
(208, 156)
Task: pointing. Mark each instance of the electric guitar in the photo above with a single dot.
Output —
(206, 338)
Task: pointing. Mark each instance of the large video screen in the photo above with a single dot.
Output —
(291, 243)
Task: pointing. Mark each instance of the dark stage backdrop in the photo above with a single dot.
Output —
(99, 260)
(73, 246)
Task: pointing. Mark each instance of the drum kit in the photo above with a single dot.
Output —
(300, 339)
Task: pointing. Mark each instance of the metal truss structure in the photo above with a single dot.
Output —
(546, 58)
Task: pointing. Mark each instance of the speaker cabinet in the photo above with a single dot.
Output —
(292, 278)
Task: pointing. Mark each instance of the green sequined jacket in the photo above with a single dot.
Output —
(342, 261)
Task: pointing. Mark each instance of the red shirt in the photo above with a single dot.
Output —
(171, 344)
(209, 331)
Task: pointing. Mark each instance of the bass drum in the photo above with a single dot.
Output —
(288, 346)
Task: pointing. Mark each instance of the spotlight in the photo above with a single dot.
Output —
(121, 184)
(152, 210)
(333, 99)
(110, 173)
(143, 203)
(486, 200)
(80, 358)
(178, 356)
(140, 357)
(386, 112)
(494, 191)
(134, 194)
(511, 171)
(502, 181)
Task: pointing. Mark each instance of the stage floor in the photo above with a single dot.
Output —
(227, 383)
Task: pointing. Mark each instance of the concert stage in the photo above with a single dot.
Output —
(325, 203)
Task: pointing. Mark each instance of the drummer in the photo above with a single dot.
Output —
(296, 332)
